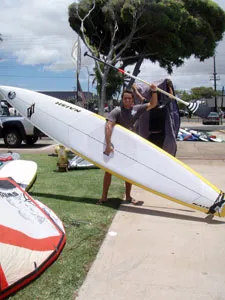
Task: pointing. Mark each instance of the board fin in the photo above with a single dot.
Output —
(218, 204)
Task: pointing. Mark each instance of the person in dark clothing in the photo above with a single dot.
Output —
(160, 126)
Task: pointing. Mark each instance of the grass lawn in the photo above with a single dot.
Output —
(72, 196)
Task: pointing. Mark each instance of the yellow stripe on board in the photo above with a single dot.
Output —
(153, 191)
(31, 183)
(176, 160)
(160, 150)
(222, 214)
(137, 184)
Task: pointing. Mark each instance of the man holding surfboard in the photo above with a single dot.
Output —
(125, 115)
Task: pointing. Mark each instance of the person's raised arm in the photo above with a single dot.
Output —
(154, 100)
(137, 93)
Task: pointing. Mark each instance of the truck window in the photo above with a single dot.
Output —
(4, 109)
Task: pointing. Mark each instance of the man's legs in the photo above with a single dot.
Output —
(128, 195)
(106, 185)
(128, 187)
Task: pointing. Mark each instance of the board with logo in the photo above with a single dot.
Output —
(134, 159)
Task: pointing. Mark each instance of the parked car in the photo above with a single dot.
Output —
(183, 113)
(212, 119)
(15, 128)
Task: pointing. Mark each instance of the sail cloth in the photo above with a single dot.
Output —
(78, 162)
(31, 238)
(80, 93)
(164, 117)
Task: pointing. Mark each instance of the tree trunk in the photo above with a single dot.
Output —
(102, 98)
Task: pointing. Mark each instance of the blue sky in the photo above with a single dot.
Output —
(36, 51)
(34, 77)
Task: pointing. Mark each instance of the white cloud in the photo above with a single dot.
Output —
(37, 32)
(38, 55)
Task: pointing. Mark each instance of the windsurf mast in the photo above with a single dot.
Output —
(76, 57)
(197, 107)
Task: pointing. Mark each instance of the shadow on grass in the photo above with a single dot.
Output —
(165, 214)
(112, 202)
(115, 203)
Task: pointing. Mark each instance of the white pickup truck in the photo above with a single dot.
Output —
(15, 128)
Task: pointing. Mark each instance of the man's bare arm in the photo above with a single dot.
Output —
(108, 133)
(154, 100)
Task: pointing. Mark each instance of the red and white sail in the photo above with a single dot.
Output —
(31, 237)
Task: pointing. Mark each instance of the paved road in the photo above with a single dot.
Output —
(43, 145)
(163, 250)
(199, 126)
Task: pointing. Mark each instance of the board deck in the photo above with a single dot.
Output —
(134, 159)
(23, 172)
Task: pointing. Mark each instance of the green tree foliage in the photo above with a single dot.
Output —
(202, 92)
(163, 31)
(196, 94)
(113, 84)
(184, 96)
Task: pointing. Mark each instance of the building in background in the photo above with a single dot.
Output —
(211, 102)
(69, 96)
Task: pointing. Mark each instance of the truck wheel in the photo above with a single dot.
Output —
(30, 140)
(12, 138)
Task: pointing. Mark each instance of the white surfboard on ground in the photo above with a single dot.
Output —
(134, 158)
(202, 137)
(214, 138)
(8, 156)
(23, 172)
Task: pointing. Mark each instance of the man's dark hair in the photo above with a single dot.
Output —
(128, 92)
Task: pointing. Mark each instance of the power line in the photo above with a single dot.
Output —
(28, 76)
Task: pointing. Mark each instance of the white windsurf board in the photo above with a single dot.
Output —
(134, 159)
(23, 172)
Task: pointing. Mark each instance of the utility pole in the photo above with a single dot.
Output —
(215, 78)
(88, 82)
(214, 74)
(222, 98)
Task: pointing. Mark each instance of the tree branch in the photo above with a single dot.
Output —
(84, 36)
(127, 41)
